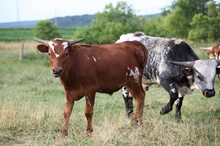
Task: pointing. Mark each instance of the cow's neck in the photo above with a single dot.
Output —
(68, 80)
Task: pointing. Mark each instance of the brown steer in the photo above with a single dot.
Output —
(86, 69)
(214, 52)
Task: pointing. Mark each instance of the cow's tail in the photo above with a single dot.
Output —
(142, 55)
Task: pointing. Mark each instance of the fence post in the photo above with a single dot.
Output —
(21, 54)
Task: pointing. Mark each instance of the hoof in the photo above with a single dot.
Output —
(179, 120)
(146, 88)
(89, 132)
(129, 113)
(178, 117)
(136, 121)
(165, 110)
(161, 112)
(63, 133)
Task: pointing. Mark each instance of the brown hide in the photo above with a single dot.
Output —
(214, 52)
(87, 69)
(103, 68)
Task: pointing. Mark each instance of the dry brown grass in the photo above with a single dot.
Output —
(29, 46)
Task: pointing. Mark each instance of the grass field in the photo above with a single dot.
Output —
(32, 103)
(21, 34)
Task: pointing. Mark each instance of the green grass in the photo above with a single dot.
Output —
(32, 104)
(15, 34)
(22, 34)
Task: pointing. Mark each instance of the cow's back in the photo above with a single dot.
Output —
(117, 63)
(163, 50)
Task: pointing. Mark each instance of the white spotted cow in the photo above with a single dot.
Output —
(173, 64)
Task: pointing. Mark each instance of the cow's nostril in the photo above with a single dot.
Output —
(209, 92)
(57, 71)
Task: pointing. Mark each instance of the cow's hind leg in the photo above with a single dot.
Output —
(172, 90)
(128, 99)
(90, 99)
(138, 93)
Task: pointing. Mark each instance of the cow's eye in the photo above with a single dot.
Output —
(49, 54)
(66, 54)
(200, 78)
(217, 70)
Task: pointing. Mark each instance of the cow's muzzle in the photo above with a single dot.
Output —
(57, 72)
(209, 93)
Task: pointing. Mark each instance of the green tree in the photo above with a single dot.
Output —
(206, 26)
(179, 17)
(155, 27)
(110, 24)
(46, 30)
(200, 28)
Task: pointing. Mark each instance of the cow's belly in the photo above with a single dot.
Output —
(149, 82)
(109, 90)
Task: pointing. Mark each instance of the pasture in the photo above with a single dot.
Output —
(32, 103)
(21, 34)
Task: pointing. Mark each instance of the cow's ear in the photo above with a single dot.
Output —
(217, 70)
(74, 48)
(187, 72)
(42, 48)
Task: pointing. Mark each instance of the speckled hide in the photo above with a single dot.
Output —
(173, 64)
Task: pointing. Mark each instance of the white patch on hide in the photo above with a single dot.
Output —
(135, 73)
(94, 58)
(133, 37)
(52, 44)
(173, 90)
(158, 80)
(180, 95)
(87, 57)
(189, 77)
(125, 92)
(177, 101)
(65, 45)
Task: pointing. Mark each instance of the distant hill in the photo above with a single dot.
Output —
(68, 21)
(73, 21)
(21, 24)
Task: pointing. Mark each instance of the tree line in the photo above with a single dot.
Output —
(188, 19)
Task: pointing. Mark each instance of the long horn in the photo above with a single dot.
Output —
(185, 64)
(45, 42)
(207, 49)
(71, 42)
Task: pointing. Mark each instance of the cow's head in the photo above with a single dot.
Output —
(211, 54)
(58, 51)
(203, 72)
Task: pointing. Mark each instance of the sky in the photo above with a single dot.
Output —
(26, 10)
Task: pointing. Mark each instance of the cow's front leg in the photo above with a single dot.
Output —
(90, 99)
(171, 89)
(67, 113)
(178, 109)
